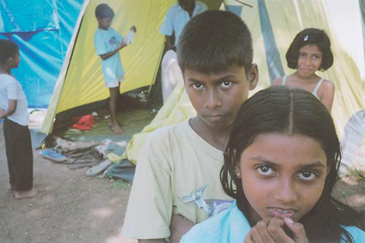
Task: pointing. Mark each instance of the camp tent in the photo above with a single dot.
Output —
(274, 24)
(42, 30)
(81, 82)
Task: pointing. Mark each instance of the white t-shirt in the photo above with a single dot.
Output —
(174, 163)
(11, 89)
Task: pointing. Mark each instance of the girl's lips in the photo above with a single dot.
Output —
(282, 213)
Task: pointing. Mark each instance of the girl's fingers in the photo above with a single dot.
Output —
(248, 238)
(263, 232)
(297, 229)
(276, 231)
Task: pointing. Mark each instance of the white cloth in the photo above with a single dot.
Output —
(129, 38)
(171, 74)
(11, 89)
(174, 162)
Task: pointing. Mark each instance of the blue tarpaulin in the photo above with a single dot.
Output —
(42, 29)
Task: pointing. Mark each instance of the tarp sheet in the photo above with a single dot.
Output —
(42, 29)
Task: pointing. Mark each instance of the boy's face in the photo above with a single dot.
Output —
(15, 60)
(104, 23)
(187, 4)
(217, 97)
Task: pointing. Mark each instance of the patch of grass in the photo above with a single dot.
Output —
(122, 184)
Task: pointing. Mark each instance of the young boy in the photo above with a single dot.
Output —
(178, 169)
(14, 109)
(108, 43)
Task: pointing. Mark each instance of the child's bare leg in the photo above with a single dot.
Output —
(25, 194)
(11, 187)
(114, 94)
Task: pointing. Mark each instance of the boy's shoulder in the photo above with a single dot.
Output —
(170, 131)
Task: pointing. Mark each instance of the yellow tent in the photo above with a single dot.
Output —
(81, 81)
(274, 25)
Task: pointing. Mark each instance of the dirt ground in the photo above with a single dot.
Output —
(71, 207)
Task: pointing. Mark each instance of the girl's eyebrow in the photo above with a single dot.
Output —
(273, 164)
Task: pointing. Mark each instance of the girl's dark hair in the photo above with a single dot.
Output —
(310, 36)
(291, 111)
(7, 49)
(213, 41)
(104, 11)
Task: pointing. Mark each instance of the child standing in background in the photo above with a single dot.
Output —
(14, 111)
(108, 43)
(310, 52)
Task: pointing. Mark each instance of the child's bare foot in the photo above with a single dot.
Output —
(119, 124)
(25, 194)
(115, 128)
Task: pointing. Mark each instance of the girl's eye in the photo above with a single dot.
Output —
(197, 86)
(226, 84)
(306, 175)
(301, 55)
(315, 57)
(265, 170)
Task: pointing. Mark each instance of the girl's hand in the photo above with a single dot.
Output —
(134, 29)
(270, 230)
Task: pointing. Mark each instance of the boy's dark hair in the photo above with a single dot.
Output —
(7, 49)
(213, 41)
(310, 36)
(104, 11)
(282, 110)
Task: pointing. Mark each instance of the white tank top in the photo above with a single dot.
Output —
(314, 92)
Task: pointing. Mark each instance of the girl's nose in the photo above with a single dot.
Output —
(308, 61)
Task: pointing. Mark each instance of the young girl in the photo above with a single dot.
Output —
(309, 52)
(14, 111)
(281, 165)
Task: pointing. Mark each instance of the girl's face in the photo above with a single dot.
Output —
(282, 175)
(309, 60)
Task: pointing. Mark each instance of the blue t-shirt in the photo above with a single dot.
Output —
(176, 19)
(106, 41)
(232, 226)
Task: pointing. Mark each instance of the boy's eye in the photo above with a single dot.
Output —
(197, 86)
(226, 84)
(265, 170)
(306, 175)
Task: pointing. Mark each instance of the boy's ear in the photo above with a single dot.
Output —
(253, 76)
(10, 60)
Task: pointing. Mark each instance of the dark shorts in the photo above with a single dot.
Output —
(19, 153)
